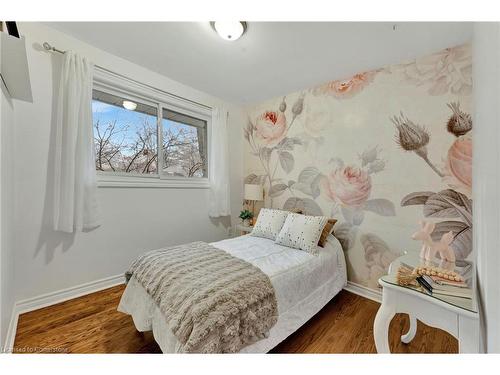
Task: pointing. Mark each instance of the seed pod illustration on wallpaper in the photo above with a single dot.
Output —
(452, 204)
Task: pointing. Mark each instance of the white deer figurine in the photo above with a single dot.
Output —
(430, 248)
(446, 253)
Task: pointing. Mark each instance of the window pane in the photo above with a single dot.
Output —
(184, 145)
(125, 139)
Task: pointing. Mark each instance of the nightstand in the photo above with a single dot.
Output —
(457, 316)
(244, 229)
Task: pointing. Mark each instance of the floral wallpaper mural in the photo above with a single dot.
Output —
(379, 151)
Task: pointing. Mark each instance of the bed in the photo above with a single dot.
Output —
(303, 284)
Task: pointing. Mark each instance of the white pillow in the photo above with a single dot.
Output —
(269, 223)
(302, 232)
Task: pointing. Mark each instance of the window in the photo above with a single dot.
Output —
(184, 145)
(151, 139)
(124, 140)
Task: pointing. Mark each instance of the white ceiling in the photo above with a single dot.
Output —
(272, 58)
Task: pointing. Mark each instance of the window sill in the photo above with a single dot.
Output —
(148, 182)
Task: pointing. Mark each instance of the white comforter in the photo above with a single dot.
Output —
(303, 283)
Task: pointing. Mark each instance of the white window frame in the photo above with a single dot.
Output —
(118, 85)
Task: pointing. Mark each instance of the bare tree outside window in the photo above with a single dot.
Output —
(182, 155)
(118, 150)
(126, 140)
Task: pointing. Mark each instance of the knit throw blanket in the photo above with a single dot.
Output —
(213, 302)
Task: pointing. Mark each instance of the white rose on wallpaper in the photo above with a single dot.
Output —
(447, 71)
(318, 116)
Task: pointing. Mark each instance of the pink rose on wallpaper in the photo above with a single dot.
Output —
(350, 186)
(270, 127)
(459, 165)
(347, 88)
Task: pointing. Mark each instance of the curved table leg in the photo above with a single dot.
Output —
(381, 328)
(412, 331)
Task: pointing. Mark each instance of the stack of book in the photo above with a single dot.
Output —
(438, 286)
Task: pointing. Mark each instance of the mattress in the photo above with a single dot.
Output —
(303, 284)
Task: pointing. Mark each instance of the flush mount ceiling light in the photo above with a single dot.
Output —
(229, 30)
(131, 106)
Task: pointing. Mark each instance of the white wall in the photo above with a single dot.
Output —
(486, 169)
(134, 219)
(7, 210)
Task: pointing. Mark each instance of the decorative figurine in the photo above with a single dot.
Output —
(424, 235)
(443, 247)
(430, 248)
(444, 264)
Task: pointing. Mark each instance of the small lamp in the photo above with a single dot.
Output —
(253, 193)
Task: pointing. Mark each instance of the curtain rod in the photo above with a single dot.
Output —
(48, 47)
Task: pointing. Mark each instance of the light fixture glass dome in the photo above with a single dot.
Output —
(229, 30)
(131, 106)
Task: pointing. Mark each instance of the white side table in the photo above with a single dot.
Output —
(457, 316)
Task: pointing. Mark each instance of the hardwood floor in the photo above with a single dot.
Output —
(91, 324)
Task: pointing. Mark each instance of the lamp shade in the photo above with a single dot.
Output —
(253, 192)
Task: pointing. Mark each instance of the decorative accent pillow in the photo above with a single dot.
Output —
(269, 223)
(327, 230)
(302, 232)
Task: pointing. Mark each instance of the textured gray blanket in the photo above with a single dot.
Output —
(213, 302)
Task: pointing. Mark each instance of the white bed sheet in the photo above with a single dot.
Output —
(303, 284)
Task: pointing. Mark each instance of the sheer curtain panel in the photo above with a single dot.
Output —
(219, 165)
(75, 182)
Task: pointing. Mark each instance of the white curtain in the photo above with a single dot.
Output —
(75, 186)
(219, 165)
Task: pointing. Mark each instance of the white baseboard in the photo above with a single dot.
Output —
(53, 298)
(11, 331)
(363, 291)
